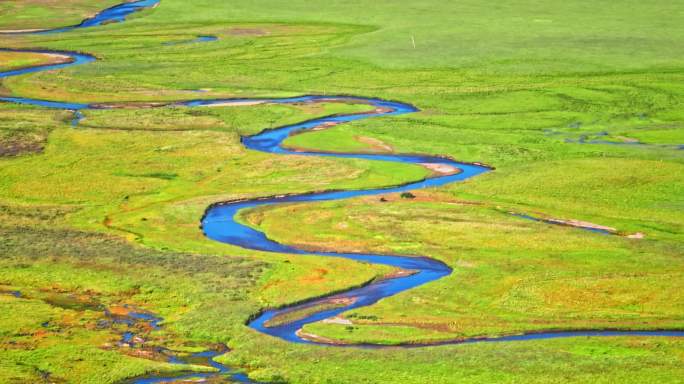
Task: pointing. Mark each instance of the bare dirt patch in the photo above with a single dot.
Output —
(441, 169)
(338, 320)
(374, 144)
(397, 274)
(19, 147)
(581, 224)
(318, 339)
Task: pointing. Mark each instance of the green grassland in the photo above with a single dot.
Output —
(110, 209)
(510, 275)
(45, 14)
(16, 60)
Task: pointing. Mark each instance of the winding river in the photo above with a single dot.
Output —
(220, 224)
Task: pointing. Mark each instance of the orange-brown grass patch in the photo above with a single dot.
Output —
(248, 31)
(316, 275)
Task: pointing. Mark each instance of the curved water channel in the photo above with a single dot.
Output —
(220, 224)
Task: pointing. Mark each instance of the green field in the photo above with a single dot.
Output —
(107, 212)
(46, 14)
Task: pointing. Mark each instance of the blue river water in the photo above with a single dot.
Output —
(219, 222)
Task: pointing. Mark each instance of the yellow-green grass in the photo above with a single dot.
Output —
(510, 275)
(507, 93)
(42, 14)
(16, 60)
(68, 349)
(25, 130)
(269, 42)
(203, 297)
(41, 337)
(580, 360)
(158, 185)
(241, 119)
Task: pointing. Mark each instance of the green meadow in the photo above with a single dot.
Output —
(41, 14)
(578, 105)
(17, 60)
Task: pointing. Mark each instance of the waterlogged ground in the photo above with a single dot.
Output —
(110, 209)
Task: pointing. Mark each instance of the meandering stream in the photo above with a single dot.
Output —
(219, 222)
